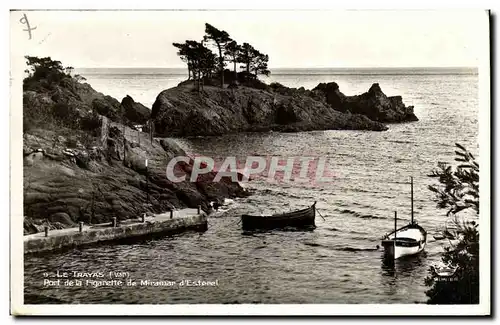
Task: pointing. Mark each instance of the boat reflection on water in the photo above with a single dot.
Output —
(405, 266)
(399, 276)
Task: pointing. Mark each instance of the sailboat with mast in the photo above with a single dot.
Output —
(407, 240)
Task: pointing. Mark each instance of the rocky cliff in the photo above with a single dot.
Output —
(81, 165)
(65, 99)
(183, 111)
(374, 104)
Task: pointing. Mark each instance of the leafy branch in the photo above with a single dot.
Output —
(459, 188)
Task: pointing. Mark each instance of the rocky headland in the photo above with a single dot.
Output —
(183, 111)
(84, 161)
(373, 104)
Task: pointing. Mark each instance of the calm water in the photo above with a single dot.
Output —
(335, 263)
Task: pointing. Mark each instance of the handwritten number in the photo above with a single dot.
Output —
(24, 20)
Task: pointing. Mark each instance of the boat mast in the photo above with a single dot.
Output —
(411, 177)
(395, 223)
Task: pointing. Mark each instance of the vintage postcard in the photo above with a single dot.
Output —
(250, 162)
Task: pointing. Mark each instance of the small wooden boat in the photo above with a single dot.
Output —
(296, 219)
(407, 240)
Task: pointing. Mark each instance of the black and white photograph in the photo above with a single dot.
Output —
(214, 162)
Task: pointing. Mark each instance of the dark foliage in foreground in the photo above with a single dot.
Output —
(458, 191)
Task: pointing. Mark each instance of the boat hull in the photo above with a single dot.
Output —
(394, 251)
(298, 219)
(406, 241)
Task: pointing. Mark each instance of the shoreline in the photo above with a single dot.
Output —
(244, 105)
(160, 225)
(288, 104)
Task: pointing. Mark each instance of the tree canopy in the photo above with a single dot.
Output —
(232, 53)
(254, 61)
(258, 64)
(50, 77)
(246, 56)
(200, 60)
(47, 72)
(459, 188)
(202, 63)
(221, 39)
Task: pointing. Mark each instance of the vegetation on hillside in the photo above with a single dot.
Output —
(458, 192)
(58, 86)
(47, 73)
(56, 98)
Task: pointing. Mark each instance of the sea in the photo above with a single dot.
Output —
(336, 263)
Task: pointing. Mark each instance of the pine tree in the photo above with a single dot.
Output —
(259, 64)
(246, 56)
(201, 61)
(220, 38)
(233, 51)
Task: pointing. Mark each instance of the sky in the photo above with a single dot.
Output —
(293, 39)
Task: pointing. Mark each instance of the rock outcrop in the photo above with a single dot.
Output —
(94, 183)
(135, 112)
(374, 104)
(80, 165)
(71, 100)
(182, 111)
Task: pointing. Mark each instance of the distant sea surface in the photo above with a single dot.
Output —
(338, 261)
(144, 84)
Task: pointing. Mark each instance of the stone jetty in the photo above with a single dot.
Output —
(146, 226)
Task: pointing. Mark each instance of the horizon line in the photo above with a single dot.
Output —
(282, 68)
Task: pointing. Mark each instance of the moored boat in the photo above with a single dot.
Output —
(296, 219)
(407, 240)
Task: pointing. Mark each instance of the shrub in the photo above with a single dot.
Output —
(61, 111)
(44, 69)
(65, 115)
(458, 191)
(45, 73)
(91, 123)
